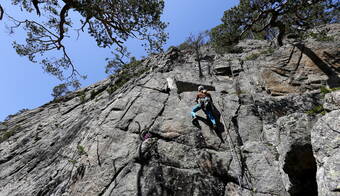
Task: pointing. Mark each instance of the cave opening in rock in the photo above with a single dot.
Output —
(300, 166)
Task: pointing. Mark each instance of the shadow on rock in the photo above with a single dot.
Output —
(333, 78)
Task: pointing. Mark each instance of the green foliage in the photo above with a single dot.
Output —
(111, 89)
(320, 36)
(126, 73)
(335, 89)
(60, 90)
(238, 92)
(94, 93)
(109, 23)
(234, 49)
(9, 133)
(223, 38)
(81, 150)
(82, 96)
(267, 19)
(170, 48)
(317, 110)
(252, 56)
(16, 114)
(72, 161)
(184, 46)
(324, 90)
(269, 50)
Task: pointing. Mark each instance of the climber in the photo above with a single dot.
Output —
(204, 102)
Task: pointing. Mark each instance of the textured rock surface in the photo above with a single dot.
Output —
(326, 143)
(88, 142)
(332, 101)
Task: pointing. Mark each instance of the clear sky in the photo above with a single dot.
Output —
(25, 85)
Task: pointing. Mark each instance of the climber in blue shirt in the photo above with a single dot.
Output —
(204, 102)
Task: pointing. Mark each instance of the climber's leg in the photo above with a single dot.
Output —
(195, 109)
(211, 117)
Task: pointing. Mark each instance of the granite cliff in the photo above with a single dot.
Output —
(278, 133)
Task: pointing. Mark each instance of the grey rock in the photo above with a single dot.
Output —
(332, 101)
(139, 139)
(326, 142)
(298, 166)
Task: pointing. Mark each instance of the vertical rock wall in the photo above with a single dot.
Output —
(273, 138)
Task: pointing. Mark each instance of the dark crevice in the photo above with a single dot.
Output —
(290, 56)
(299, 61)
(115, 109)
(280, 72)
(72, 108)
(300, 165)
(183, 86)
(246, 175)
(8, 158)
(132, 102)
(330, 128)
(143, 159)
(223, 71)
(79, 173)
(166, 90)
(160, 113)
(139, 176)
(98, 155)
(235, 123)
(36, 164)
(112, 109)
(49, 188)
(95, 92)
(113, 178)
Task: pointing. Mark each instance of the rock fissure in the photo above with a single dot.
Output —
(114, 177)
(130, 105)
(330, 127)
(160, 113)
(166, 91)
(71, 109)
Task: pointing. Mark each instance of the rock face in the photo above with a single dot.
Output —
(138, 138)
(326, 142)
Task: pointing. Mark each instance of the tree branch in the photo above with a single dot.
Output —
(63, 14)
(262, 15)
(74, 70)
(35, 3)
(1, 12)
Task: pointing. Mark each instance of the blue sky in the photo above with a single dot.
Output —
(25, 85)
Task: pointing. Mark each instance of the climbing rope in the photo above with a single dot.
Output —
(233, 147)
(234, 153)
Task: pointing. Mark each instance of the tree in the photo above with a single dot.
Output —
(60, 90)
(195, 42)
(273, 18)
(109, 22)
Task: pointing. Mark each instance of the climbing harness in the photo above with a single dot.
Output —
(205, 102)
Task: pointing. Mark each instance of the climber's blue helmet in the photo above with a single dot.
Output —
(201, 88)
